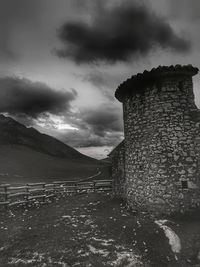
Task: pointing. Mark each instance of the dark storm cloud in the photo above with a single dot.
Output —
(118, 34)
(24, 97)
(102, 126)
(103, 119)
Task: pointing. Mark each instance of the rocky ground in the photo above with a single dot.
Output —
(95, 230)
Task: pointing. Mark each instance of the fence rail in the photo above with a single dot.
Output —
(32, 192)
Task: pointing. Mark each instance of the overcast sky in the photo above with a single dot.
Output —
(62, 60)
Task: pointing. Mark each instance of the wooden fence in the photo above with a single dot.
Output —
(32, 192)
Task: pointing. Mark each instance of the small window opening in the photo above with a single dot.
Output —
(184, 184)
(180, 85)
(159, 86)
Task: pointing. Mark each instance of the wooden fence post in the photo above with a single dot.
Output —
(94, 184)
(76, 187)
(6, 192)
(6, 195)
(44, 193)
(26, 196)
(54, 187)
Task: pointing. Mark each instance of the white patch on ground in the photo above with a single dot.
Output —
(66, 217)
(94, 250)
(174, 240)
(60, 263)
(103, 242)
(36, 257)
(128, 259)
(89, 222)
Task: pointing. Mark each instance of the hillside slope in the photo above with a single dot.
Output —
(20, 164)
(26, 155)
(15, 133)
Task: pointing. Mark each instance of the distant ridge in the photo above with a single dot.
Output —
(27, 155)
(15, 133)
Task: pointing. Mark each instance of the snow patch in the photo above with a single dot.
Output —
(103, 242)
(174, 240)
(36, 257)
(102, 252)
(66, 216)
(128, 259)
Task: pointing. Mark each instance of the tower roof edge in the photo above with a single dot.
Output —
(141, 79)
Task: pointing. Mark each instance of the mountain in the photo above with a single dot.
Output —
(27, 155)
(15, 133)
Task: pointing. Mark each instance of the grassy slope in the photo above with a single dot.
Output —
(19, 164)
(15, 133)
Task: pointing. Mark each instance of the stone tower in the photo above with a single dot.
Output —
(161, 168)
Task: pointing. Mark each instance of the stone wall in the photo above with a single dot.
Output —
(161, 165)
(117, 170)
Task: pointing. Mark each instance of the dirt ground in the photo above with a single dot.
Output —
(93, 230)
